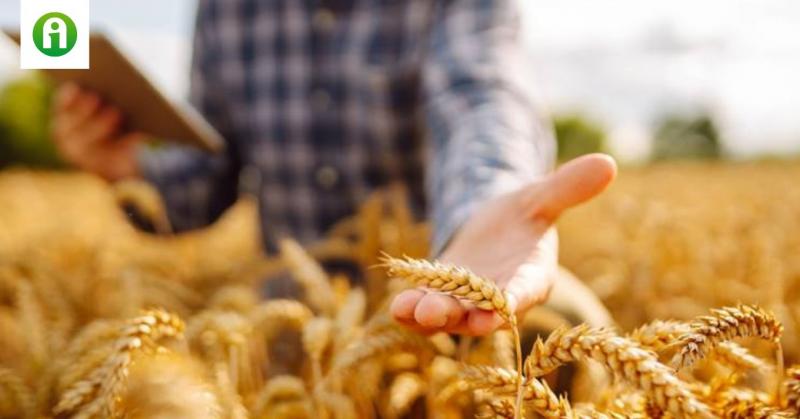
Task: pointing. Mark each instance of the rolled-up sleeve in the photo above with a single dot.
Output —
(488, 137)
(197, 186)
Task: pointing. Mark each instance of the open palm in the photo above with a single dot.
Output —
(510, 240)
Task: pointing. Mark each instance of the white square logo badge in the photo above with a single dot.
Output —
(54, 34)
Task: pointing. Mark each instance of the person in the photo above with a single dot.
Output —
(322, 101)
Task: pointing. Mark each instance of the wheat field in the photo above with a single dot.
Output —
(99, 320)
(683, 237)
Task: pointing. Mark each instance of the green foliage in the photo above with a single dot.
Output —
(24, 122)
(679, 137)
(577, 136)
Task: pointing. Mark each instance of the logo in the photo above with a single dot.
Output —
(55, 34)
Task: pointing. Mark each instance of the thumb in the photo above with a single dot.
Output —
(573, 183)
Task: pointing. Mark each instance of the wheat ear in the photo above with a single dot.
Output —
(754, 410)
(739, 358)
(169, 385)
(349, 317)
(452, 280)
(502, 382)
(624, 358)
(223, 337)
(278, 389)
(310, 275)
(99, 390)
(661, 335)
(496, 408)
(405, 389)
(725, 324)
(792, 387)
(271, 316)
(376, 345)
(316, 338)
(463, 284)
(342, 405)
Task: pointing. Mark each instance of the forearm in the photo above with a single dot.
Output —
(487, 133)
(485, 154)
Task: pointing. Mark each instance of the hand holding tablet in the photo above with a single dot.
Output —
(141, 106)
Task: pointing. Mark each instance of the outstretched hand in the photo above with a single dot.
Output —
(510, 240)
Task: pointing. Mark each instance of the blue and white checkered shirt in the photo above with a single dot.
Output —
(323, 101)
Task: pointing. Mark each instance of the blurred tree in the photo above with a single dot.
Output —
(24, 122)
(680, 137)
(577, 135)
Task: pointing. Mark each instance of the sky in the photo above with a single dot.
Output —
(625, 63)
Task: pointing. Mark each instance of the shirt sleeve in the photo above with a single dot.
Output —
(197, 186)
(487, 136)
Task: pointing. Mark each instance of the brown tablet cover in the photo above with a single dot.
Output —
(144, 107)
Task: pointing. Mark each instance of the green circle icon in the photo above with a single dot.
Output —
(55, 34)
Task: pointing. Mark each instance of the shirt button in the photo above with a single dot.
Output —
(327, 177)
(323, 19)
(320, 100)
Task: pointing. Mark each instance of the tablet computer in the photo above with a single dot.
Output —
(144, 107)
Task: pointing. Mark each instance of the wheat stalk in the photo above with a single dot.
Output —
(229, 398)
(463, 284)
(503, 349)
(98, 391)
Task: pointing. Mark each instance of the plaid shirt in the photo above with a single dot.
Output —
(323, 101)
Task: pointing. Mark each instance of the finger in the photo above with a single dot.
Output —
(482, 322)
(404, 304)
(66, 96)
(530, 285)
(436, 310)
(571, 184)
(86, 105)
(102, 127)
